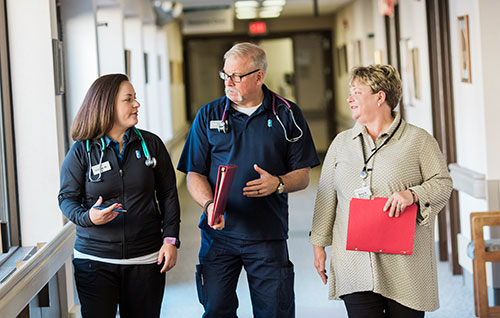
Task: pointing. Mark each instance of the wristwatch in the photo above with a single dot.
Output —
(172, 240)
(281, 186)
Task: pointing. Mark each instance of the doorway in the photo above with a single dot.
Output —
(299, 69)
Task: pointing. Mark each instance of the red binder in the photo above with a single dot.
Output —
(225, 176)
(370, 229)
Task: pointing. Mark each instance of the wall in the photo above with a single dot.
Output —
(78, 18)
(351, 25)
(413, 28)
(35, 118)
(109, 22)
(278, 64)
(180, 125)
(476, 109)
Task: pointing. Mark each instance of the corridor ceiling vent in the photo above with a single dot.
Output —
(166, 11)
(258, 9)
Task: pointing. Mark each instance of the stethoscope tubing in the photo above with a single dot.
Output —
(275, 112)
(149, 162)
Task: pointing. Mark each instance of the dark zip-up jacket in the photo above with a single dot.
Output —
(148, 194)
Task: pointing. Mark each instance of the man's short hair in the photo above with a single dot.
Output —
(249, 50)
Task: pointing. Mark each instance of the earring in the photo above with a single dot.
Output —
(378, 104)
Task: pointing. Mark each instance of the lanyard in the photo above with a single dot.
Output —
(364, 173)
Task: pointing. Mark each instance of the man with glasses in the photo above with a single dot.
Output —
(242, 129)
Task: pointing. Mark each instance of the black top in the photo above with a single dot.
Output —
(148, 194)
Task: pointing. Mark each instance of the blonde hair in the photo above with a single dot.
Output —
(380, 78)
(249, 50)
(96, 115)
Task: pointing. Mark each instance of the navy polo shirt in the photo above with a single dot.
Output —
(256, 139)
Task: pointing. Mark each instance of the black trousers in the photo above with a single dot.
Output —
(373, 305)
(137, 289)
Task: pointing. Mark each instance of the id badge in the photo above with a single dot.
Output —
(105, 166)
(363, 193)
(214, 124)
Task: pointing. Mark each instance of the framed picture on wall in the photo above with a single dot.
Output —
(464, 49)
(407, 76)
(416, 71)
(342, 59)
(127, 54)
(357, 58)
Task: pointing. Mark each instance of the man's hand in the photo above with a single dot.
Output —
(220, 222)
(99, 217)
(264, 186)
(168, 252)
(319, 262)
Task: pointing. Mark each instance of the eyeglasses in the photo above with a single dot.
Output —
(235, 78)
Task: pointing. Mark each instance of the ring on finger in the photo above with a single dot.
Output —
(258, 192)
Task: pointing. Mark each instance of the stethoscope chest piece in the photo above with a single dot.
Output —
(150, 162)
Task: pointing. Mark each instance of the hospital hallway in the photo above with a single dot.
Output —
(172, 52)
(311, 296)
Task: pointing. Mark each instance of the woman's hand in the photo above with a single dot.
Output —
(168, 252)
(398, 202)
(319, 262)
(99, 217)
(220, 222)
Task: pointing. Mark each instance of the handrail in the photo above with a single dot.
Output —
(25, 283)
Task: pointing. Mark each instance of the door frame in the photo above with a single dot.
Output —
(438, 32)
(329, 84)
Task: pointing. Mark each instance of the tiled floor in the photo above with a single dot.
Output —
(181, 300)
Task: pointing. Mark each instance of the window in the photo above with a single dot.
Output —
(8, 189)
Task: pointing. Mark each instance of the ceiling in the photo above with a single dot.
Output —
(292, 7)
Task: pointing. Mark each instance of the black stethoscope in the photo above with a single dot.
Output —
(149, 162)
(223, 126)
(364, 172)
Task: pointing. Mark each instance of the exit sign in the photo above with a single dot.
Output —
(258, 27)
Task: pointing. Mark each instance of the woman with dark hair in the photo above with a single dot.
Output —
(381, 156)
(118, 186)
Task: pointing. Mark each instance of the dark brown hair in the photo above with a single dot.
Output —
(95, 117)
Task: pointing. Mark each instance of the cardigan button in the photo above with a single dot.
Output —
(427, 204)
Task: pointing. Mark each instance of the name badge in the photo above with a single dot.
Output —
(105, 166)
(363, 193)
(214, 124)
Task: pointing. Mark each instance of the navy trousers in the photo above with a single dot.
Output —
(269, 272)
(373, 305)
(138, 289)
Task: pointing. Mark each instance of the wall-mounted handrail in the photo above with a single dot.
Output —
(25, 283)
(468, 181)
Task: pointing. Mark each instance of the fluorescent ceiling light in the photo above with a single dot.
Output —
(270, 3)
(246, 16)
(273, 9)
(269, 14)
(246, 4)
(246, 11)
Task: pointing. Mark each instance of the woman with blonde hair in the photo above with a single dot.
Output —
(381, 156)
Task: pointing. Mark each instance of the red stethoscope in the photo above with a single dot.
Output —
(224, 127)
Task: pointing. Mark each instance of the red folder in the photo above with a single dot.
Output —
(370, 229)
(225, 176)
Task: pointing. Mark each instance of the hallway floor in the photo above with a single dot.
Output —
(181, 300)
